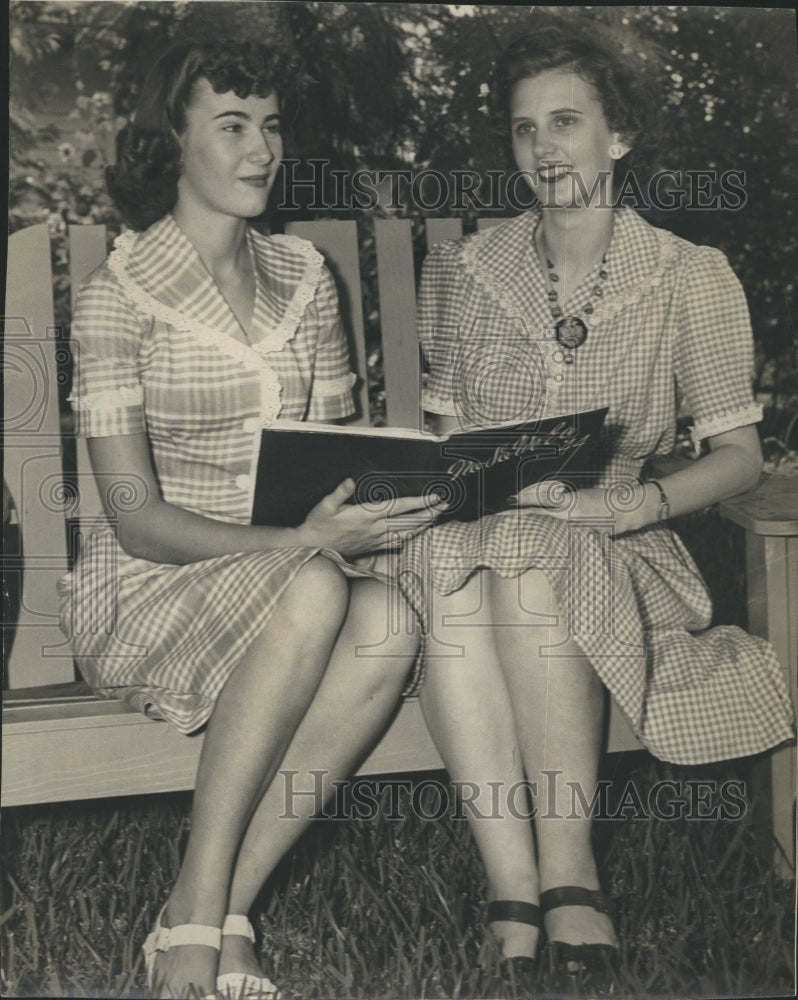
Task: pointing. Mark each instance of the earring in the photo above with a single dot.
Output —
(617, 151)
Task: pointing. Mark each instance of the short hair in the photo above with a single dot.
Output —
(627, 86)
(143, 182)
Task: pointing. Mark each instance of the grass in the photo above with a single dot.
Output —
(384, 908)
(380, 908)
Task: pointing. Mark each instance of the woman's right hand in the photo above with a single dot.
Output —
(354, 529)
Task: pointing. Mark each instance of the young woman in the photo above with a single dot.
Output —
(530, 614)
(194, 334)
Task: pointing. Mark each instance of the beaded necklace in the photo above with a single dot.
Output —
(569, 331)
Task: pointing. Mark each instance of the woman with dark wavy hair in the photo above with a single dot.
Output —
(195, 334)
(532, 614)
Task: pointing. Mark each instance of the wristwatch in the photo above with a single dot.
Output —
(664, 506)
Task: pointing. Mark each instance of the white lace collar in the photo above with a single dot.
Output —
(163, 276)
(503, 261)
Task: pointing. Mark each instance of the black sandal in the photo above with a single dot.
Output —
(595, 963)
(520, 972)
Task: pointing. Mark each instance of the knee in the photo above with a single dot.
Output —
(530, 593)
(317, 597)
(381, 615)
(385, 635)
(536, 590)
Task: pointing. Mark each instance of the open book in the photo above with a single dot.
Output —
(474, 471)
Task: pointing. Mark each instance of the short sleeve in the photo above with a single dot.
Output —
(331, 393)
(714, 361)
(107, 395)
(438, 327)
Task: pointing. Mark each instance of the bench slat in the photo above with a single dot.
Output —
(438, 230)
(32, 462)
(55, 750)
(337, 240)
(397, 289)
(87, 251)
(108, 749)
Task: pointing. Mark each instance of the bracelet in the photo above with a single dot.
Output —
(664, 506)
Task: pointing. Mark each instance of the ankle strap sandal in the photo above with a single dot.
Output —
(514, 909)
(574, 895)
(161, 939)
(519, 973)
(241, 985)
(591, 964)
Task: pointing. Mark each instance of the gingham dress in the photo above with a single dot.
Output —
(670, 329)
(155, 351)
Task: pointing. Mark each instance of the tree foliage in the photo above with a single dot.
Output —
(402, 86)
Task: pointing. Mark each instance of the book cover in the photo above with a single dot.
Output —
(474, 471)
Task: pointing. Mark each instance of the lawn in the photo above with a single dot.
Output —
(380, 907)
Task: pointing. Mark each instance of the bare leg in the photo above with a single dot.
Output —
(258, 710)
(558, 705)
(354, 702)
(468, 711)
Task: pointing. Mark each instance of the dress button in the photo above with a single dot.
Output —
(250, 425)
(242, 482)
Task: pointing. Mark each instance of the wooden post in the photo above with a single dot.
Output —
(769, 515)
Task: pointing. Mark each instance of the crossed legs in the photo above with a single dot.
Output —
(521, 699)
(291, 702)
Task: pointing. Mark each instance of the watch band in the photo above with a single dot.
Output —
(664, 507)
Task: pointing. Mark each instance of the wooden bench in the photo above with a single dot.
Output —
(60, 742)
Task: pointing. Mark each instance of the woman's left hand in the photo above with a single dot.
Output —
(598, 507)
(628, 504)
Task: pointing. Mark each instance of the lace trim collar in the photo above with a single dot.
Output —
(162, 273)
(146, 251)
(494, 259)
(304, 292)
(641, 255)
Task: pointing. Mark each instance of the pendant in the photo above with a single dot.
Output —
(571, 332)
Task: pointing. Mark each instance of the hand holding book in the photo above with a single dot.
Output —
(303, 465)
(355, 529)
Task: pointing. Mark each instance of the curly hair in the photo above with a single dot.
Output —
(625, 82)
(143, 182)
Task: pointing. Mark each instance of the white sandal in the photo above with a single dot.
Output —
(161, 939)
(241, 985)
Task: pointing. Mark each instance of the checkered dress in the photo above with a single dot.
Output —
(670, 330)
(156, 350)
